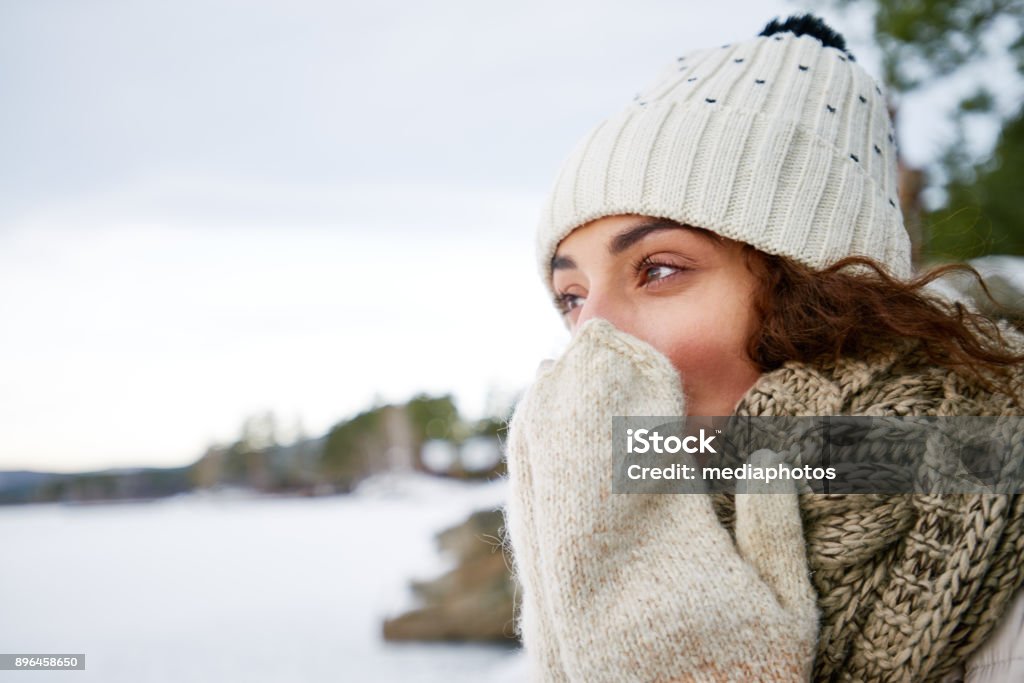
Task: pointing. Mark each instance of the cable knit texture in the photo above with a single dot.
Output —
(778, 141)
(908, 586)
(642, 587)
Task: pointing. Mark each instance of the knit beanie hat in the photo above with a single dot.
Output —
(782, 141)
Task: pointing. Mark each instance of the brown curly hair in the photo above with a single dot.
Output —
(855, 306)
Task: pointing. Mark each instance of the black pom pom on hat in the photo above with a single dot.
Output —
(808, 25)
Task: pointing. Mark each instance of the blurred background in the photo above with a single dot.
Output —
(267, 297)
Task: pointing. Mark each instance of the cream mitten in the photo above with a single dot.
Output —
(532, 624)
(642, 587)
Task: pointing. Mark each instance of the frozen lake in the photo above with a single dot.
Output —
(231, 588)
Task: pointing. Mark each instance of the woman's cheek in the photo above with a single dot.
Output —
(697, 353)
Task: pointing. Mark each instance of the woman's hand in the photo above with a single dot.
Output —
(642, 587)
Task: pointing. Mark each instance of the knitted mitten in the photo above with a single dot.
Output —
(642, 587)
(533, 625)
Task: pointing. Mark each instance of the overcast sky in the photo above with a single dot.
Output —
(214, 208)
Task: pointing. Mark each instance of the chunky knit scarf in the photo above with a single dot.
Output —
(909, 585)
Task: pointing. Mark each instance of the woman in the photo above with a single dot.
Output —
(731, 244)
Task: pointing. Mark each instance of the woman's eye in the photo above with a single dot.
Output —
(659, 272)
(651, 272)
(567, 302)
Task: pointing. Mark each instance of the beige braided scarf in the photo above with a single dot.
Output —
(910, 585)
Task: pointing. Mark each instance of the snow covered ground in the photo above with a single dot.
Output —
(226, 588)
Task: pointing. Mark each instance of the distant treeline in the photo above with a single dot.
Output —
(384, 437)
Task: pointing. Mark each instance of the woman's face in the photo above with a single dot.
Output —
(686, 293)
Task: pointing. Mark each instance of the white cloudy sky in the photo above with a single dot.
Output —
(213, 208)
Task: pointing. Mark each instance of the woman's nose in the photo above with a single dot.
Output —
(599, 305)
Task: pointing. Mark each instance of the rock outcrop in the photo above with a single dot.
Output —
(473, 601)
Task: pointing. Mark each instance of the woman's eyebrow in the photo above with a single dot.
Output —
(627, 238)
(562, 263)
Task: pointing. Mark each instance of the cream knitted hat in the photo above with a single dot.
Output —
(781, 141)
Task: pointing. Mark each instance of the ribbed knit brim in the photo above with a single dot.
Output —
(778, 141)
